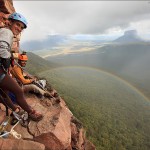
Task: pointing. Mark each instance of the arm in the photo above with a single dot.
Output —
(17, 72)
(29, 76)
(6, 37)
(4, 50)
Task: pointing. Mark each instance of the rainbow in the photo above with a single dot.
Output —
(109, 74)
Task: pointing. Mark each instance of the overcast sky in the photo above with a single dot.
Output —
(83, 17)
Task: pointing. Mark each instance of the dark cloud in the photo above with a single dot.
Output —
(81, 17)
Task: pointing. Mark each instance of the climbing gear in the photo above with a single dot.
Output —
(16, 116)
(23, 57)
(5, 134)
(40, 85)
(14, 133)
(22, 117)
(25, 120)
(46, 94)
(19, 116)
(6, 122)
(19, 17)
(4, 125)
(35, 116)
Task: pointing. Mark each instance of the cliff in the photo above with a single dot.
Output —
(6, 6)
(58, 130)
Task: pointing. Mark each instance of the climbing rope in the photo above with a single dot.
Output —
(12, 132)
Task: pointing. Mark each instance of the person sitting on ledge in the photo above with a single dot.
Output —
(29, 83)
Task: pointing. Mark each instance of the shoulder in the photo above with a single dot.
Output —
(16, 67)
(6, 35)
(6, 31)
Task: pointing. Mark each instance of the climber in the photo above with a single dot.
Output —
(7, 83)
(27, 82)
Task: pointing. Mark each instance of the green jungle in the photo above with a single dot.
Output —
(114, 114)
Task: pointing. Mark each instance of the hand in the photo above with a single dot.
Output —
(32, 80)
(35, 79)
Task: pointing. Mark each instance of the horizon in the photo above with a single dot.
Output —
(83, 20)
(76, 45)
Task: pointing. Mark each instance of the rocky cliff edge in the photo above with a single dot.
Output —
(58, 130)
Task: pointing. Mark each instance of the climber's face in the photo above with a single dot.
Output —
(16, 27)
(22, 63)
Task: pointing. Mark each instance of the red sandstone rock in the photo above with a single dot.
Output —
(9, 144)
(56, 121)
(50, 141)
(6, 6)
(58, 130)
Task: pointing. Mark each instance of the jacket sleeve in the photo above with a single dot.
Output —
(4, 47)
(17, 73)
(6, 39)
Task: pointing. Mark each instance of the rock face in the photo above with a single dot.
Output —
(6, 6)
(58, 130)
(55, 130)
(20, 145)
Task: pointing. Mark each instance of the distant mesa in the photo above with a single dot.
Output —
(129, 36)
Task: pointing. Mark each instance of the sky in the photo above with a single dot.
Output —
(83, 19)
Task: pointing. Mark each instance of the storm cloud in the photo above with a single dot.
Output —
(83, 17)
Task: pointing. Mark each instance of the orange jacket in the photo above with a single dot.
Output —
(17, 73)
